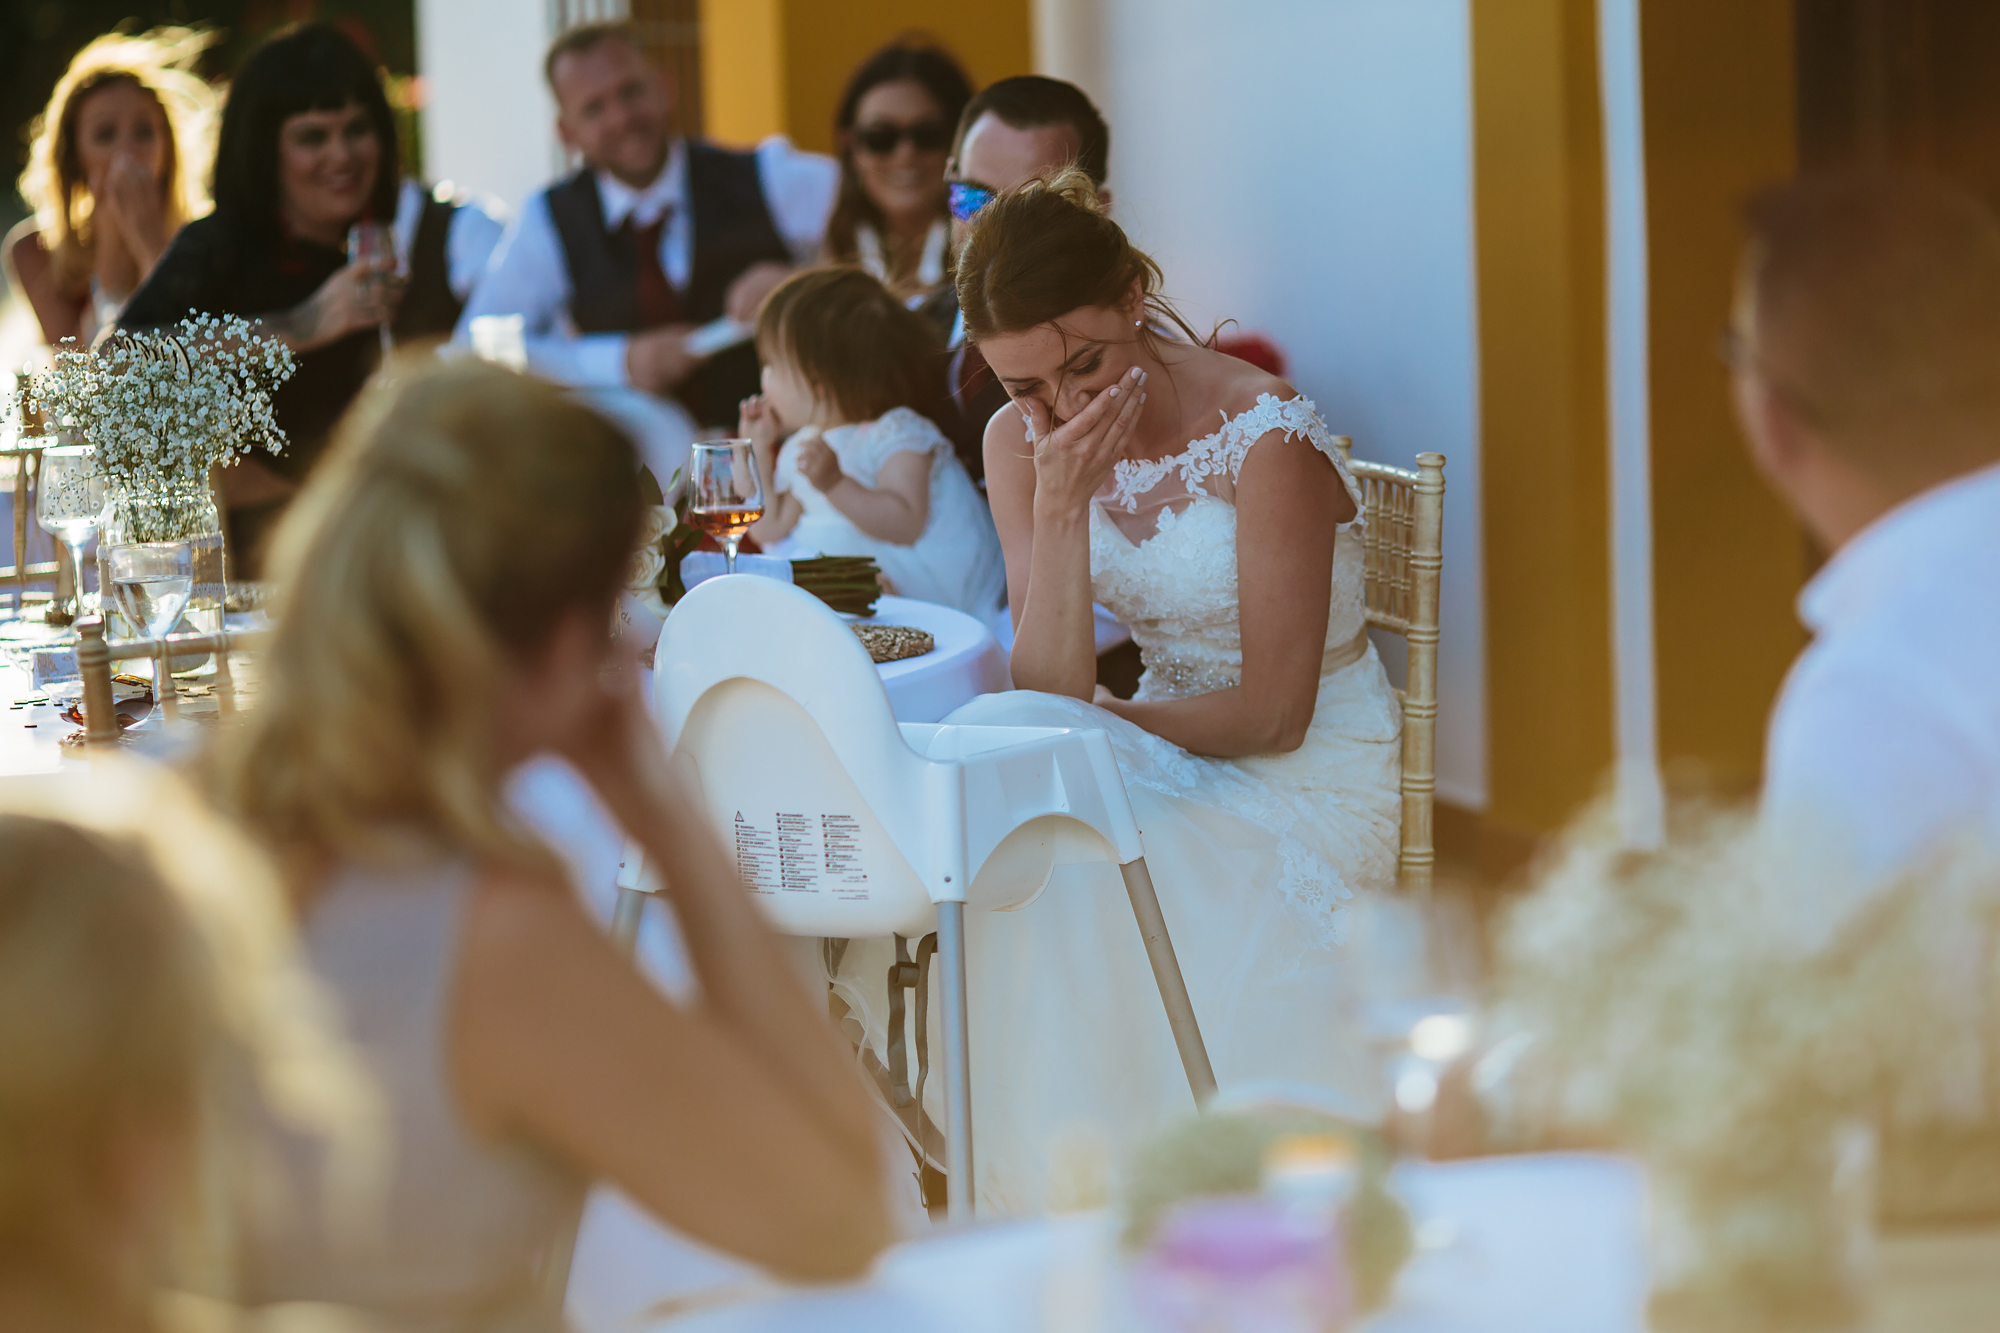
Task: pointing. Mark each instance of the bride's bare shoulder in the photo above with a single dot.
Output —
(1238, 385)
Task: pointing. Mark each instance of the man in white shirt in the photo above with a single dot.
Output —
(443, 240)
(611, 268)
(1866, 357)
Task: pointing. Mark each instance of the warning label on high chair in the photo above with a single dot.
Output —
(756, 856)
(798, 854)
(802, 853)
(841, 840)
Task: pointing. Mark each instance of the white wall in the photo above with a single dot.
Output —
(488, 120)
(1305, 167)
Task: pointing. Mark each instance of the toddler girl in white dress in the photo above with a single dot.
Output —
(850, 467)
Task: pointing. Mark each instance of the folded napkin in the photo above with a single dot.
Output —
(701, 566)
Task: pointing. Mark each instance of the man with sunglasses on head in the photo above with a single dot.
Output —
(1012, 132)
(620, 270)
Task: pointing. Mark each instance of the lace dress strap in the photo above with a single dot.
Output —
(1222, 454)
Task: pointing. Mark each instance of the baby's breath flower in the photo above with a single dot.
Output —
(163, 406)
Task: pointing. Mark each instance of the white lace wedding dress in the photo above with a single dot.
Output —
(1073, 1062)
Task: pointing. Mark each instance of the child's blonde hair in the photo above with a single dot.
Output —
(862, 350)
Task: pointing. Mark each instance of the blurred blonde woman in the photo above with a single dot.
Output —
(115, 168)
(445, 590)
(147, 993)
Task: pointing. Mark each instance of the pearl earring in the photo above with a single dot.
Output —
(1137, 322)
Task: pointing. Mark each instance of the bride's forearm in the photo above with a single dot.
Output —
(1226, 723)
(1055, 645)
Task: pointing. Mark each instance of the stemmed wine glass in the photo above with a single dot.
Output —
(373, 243)
(69, 503)
(725, 494)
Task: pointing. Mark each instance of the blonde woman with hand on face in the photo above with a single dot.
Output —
(115, 167)
(1204, 503)
(445, 592)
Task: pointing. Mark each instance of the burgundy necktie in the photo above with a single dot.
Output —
(658, 302)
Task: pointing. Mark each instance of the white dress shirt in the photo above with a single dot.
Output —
(1885, 742)
(528, 277)
(468, 242)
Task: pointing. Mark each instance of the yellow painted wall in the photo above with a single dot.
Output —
(1539, 197)
(742, 77)
(1728, 559)
(778, 66)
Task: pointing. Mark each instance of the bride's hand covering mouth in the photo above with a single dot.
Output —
(1073, 459)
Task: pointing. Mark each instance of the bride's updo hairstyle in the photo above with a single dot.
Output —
(1046, 248)
(462, 515)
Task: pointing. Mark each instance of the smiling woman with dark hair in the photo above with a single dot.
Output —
(307, 150)
(894, 128)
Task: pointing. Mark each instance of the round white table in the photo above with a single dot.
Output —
(965, 664)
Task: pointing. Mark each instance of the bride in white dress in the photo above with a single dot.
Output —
(1262, 749)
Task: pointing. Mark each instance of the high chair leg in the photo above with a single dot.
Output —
(1167, 973)
(959, 1187)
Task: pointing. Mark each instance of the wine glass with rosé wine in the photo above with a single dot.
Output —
(725, 494)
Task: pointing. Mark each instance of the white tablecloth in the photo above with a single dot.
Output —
(965, 664)
(1536, 1244)
(31, 734)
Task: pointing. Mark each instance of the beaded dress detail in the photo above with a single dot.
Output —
(1253, 857)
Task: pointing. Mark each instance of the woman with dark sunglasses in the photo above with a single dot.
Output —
(894, 130)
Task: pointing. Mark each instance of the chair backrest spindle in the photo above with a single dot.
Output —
(1403, 564)
(94, 656)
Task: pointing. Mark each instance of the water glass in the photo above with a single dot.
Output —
(725, 494)
(69, 503)
(152, 582)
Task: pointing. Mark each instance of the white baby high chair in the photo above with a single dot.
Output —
(846, 824)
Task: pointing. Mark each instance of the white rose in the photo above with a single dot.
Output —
(656, 523)
(648, 563)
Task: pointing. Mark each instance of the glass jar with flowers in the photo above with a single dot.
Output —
(161, 409)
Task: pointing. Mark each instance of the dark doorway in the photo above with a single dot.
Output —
(1907, 83)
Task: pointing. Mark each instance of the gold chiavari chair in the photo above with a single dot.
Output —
(25, 458)
(95, 654)
(1404, 557)
(24, 454)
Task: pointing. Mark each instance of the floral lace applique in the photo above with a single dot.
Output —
(1222, 453)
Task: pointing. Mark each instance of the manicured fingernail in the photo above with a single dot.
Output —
(1114, 391)
(1142, 397)
(1137, 373)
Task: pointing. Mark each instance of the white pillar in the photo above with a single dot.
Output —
(1069, 43)
(1641, 797)
(488, 119)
